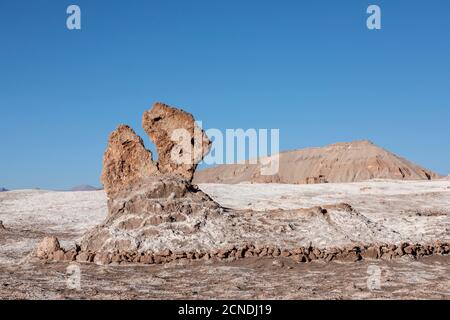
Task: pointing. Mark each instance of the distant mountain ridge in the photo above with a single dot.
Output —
(3, 190)
(339, 162)
(85, 187)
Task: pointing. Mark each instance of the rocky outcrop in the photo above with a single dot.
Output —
(145, 214)
(181, 144)
(47, 248)
(336, 163)
(149, 199)
(126, 161)
(230, 253)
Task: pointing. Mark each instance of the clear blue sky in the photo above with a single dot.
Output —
(310, 68)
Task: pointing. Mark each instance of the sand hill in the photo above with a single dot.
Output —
(340, 162)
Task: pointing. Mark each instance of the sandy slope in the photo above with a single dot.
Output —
(339, 162)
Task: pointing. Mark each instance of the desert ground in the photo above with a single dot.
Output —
(385, 211)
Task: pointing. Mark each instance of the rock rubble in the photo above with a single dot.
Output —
(50, 250)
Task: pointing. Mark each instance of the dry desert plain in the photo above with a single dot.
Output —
(383, 211)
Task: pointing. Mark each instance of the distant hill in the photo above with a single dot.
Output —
(84, 187)
(3, 190)
(340, 162)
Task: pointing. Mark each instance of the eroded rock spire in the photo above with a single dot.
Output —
(126, 161)
(180, 142)
(147, 199)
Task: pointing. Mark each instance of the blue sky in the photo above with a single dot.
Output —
(310, 68)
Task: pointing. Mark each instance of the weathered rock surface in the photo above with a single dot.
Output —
(47, 247)
(147, 199)
(181, 144)
(126, 161)
(231, 253)
(155, 208)
(340, 162)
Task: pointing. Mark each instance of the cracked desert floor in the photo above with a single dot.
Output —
(388, 211)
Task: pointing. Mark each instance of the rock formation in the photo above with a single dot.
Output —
(47, 247)
(126, 161)
(147, 199)
(340, 162)
(181, 144)
(157, 215)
